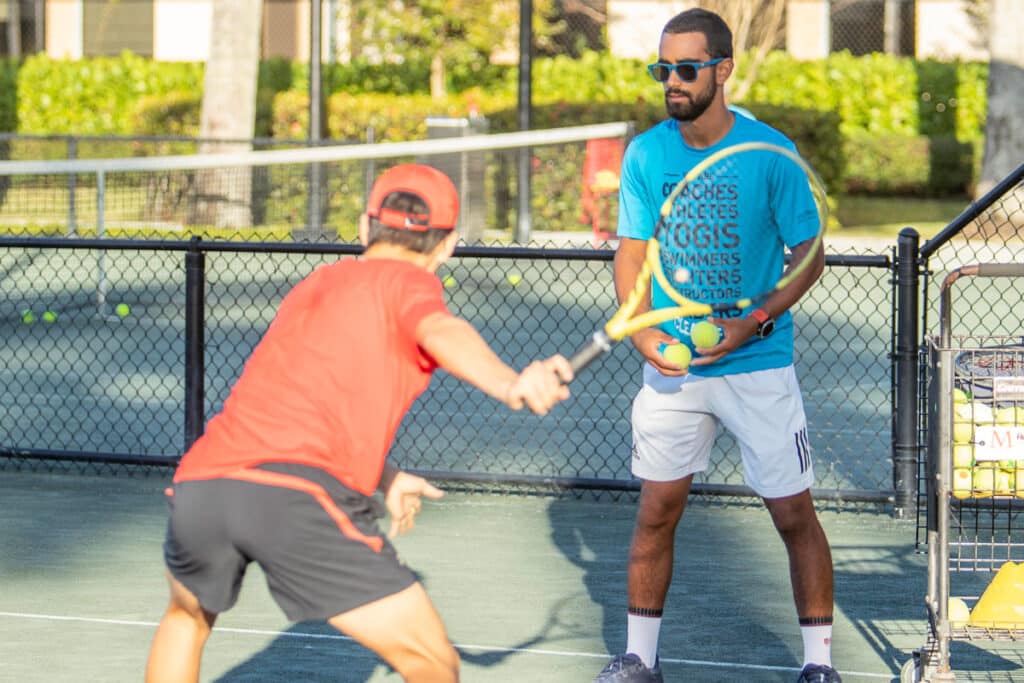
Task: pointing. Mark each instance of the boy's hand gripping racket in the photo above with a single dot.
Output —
(666, 253)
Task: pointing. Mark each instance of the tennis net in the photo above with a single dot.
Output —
(310, 193)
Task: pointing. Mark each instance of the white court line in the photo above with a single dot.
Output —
(484, 648)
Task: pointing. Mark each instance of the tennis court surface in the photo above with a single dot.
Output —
(531, 588)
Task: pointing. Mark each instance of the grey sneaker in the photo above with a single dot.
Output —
(629, 668)
(819, 673)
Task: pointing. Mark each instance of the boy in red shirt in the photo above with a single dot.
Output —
(285, 473)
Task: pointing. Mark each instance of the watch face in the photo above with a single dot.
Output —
(765, 328)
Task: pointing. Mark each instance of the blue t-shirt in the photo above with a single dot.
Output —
(735, 244)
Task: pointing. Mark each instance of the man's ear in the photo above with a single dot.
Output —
(364, 229)
(443, 251)
(724, 69)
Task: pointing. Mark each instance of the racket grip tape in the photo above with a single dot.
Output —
(599, 344)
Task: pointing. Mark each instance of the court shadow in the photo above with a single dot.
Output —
(308, 651)
(723, 558)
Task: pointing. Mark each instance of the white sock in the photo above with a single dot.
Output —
(642, 637)
(817, 644)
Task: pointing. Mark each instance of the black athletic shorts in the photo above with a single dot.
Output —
(318, 542)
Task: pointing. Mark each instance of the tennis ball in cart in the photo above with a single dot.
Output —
(122, 310)
(962, 482)
(960, 397)
(1004, 482)
(1006, 416)
(28, 317)
(984, 480)
(963, 431)
(958, 612)
(963, 454)
(975, 411)
(678, 354)
(705, 334)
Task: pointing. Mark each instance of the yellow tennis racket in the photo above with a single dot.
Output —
(701, 215)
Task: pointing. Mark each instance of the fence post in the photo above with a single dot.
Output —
(195, 366)
(905, 374)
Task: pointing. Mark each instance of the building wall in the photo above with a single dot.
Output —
(807, 28)
(109, 28)
(181, 30)
(64, 29)
(944, 31)
(634, 26)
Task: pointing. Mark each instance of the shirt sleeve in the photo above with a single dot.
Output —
(421, 295)
(793, 205)
(636, 211)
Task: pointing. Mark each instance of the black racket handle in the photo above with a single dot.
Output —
(597, 346)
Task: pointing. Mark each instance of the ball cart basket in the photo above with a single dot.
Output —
(974, 487)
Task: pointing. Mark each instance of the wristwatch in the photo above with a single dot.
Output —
(765, 323)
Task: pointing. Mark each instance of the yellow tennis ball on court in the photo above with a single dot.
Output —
(28, 317)
(448, 282)
(514, 279)
(678, 354)
(122, 310)
(705, 334)
(49, 317)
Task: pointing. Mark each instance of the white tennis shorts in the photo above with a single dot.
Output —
(675, 420)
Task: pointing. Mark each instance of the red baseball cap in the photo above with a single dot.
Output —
(426, 182)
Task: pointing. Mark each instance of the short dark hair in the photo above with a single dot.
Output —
(421, 241)
(714, 28)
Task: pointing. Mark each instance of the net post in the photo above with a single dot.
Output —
(905, 445)
(195, 366)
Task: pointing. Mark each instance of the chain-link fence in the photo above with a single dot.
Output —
(106, 379)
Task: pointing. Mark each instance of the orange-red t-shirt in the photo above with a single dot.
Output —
(332, 378)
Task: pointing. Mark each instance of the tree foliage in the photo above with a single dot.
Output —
(448, 30)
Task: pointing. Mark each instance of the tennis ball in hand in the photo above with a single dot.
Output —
(28, 317)
(49, 317)
(705, 334)
(678, 354)
(122, 310)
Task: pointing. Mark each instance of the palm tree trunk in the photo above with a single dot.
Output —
(228, 112)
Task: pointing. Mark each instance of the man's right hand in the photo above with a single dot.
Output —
(649, 343)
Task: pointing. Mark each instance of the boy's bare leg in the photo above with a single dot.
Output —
(178, 644)
(407, 632)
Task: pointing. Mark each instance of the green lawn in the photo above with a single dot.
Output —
(886, 216)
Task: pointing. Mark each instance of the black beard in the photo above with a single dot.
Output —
(697, 105)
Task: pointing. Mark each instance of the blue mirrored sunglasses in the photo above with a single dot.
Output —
(687, 71)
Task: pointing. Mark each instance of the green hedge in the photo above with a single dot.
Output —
(868, 109)
(94, 96)
(908, 165)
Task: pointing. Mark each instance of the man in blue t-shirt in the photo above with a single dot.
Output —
(745, 383)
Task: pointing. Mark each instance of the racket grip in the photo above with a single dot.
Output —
(598, 344)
